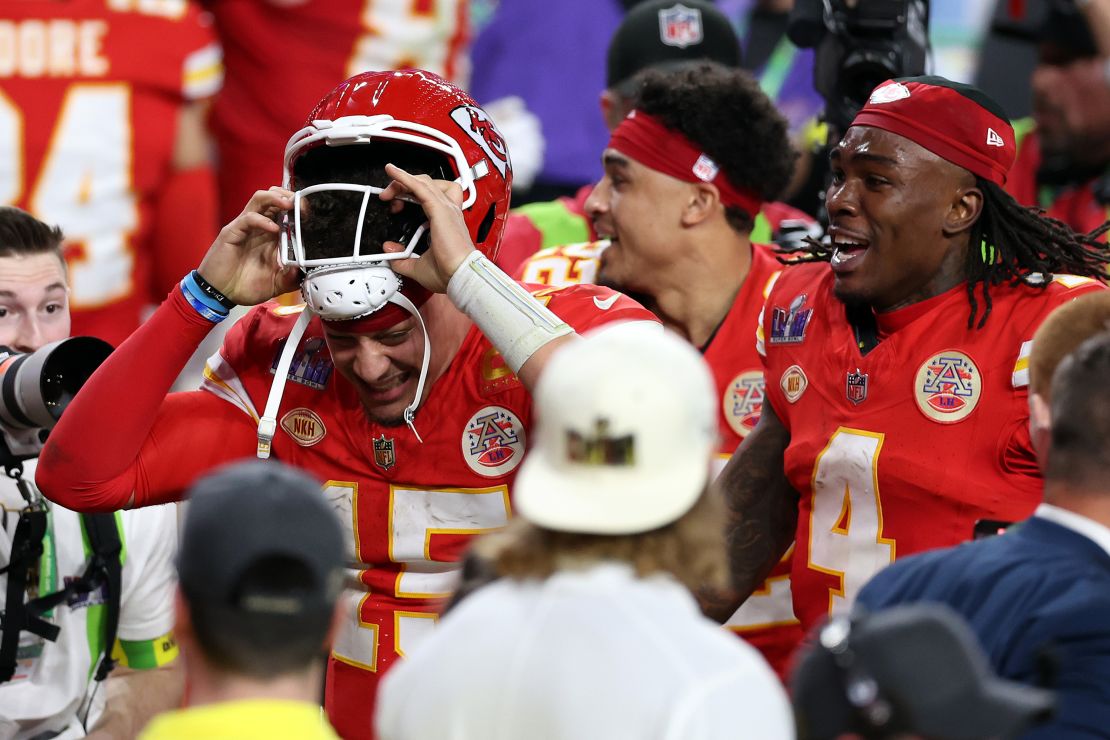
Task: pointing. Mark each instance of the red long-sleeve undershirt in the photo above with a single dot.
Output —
(123, 435)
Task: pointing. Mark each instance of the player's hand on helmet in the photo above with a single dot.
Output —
(450, 238)
(243, 263)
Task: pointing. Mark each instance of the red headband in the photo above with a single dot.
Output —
(946, 122)
(643, 138)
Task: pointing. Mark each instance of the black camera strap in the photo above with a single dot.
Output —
(103, 570)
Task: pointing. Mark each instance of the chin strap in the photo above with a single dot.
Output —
(410, 410)
(267, 425)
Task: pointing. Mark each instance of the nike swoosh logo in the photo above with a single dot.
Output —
(606, 304)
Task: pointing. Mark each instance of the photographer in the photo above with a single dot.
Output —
(56, 626)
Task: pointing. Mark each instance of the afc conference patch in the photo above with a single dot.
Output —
(948, 387)
(493, 442)
(743, 400)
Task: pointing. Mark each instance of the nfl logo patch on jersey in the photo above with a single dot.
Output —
(743, 400)
(788, 325)
(948, 386)
(793, 383)
(304, 425)
(856, 386)
(493, 442)
(384, 456)
(311, 364)
(680, 26)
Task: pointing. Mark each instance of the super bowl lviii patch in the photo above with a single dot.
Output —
(493, 441)
(788, 325)
(947, 387)
(742, 401)
(311, 364)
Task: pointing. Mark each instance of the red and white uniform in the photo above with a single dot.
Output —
(412, 507)
(767, 618)
(90, 91)
(283, 56)
(905, 448)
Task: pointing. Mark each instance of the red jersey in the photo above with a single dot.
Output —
(767, 618)
(412, 507)
(905, 448)
(283, 56)
(88, 117)
(1075, 205)
(541, 226)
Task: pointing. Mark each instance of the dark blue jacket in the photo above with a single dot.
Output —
(1038, 597)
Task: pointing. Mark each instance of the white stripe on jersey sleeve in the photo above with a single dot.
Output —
(1021, 367)
(204, 73)
(220, 379)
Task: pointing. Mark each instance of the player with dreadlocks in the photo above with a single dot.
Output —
(894, 421)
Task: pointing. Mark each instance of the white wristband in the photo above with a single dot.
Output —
(514, 322)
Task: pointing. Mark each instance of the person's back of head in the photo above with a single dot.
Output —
(1079, 451)
(908, 671)
(621, 473)
(260, 567)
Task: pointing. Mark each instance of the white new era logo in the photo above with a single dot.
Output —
(993, 139)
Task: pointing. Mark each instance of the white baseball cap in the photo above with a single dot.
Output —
(626, 430)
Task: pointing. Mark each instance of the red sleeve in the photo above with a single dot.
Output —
(585, 306)
(154, 445)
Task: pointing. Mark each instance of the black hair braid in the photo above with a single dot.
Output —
(1011, 243)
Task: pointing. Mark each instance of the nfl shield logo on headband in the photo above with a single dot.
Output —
(680, 26)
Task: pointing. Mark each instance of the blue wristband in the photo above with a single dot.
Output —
(200, 305)
(190, 284)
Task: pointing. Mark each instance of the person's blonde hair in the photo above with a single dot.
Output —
(692, 548)
(1067, 327)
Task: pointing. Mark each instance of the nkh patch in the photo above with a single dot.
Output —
(304, 425)
(948, 387)
(680, 26)
(311, 364)
(385, 457)
(793, 383)
(742, 401)
(479, 126)
(788, 325)
(855, 386)
(493, 441)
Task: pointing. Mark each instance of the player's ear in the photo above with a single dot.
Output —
(702, 200)
(964, 210)
(1040, 426)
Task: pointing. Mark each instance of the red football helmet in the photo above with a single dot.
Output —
(424, 110)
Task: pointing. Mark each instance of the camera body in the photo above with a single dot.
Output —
(858, 45)
(35, 388)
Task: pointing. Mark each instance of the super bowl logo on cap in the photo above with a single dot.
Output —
(743, 400)
(947, 387)
(304, 426)
(793, 383)
(493, 442)
(889, 93)
(680, 26)
(479, 126)
(788, 325)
